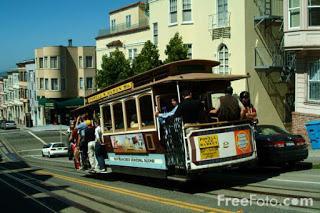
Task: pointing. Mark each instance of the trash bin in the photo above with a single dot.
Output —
(313, 129)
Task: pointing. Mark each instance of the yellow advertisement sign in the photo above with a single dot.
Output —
(209, 153)
(208, 141)
(110, 92)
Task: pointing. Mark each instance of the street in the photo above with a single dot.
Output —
(29, 181)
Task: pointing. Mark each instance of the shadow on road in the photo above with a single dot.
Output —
(206, 182)
(23, 188)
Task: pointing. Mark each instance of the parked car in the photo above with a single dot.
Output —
(54, 149)
(276, 146)
(1, 123)
(8, 125)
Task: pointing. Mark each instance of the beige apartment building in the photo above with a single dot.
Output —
(246, 37)
(302, 42)
(64, 76)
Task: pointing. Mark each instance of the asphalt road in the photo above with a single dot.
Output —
(30, 182)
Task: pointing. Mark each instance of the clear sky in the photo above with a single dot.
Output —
(29, 24)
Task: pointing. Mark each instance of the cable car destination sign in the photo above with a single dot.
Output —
(109, 92)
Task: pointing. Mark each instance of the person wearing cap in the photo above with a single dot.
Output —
(83, 146)
(228, 108)
(249, 112)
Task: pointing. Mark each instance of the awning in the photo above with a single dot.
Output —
(70, 103)
(46, 102)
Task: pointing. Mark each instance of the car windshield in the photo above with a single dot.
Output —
(270, 130)
(10, 122)
(58, 145)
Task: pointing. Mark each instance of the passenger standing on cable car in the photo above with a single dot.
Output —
(83, 146)
(249, 112)
(99, 149)
(164, 115)
(228, 107)
(190, 110)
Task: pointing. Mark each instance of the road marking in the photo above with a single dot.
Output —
(140, 195)
(295, 181)
(29, 150)
(42, 141)
(39, 157)
(16, 170)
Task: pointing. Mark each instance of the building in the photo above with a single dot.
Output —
(64, 76)
(244, 36)
(33, 111)
(2, 105)
(302, 44)
(12, 98)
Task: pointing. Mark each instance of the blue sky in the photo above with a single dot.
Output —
(29, 24)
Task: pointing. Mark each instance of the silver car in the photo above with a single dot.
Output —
(9, 125)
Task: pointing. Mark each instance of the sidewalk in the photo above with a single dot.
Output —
(49, 127)
(314, 156)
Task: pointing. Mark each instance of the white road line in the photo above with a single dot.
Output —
(295, 181)
(42, 141)
(29, 150)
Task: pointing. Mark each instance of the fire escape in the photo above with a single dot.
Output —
(274, 66)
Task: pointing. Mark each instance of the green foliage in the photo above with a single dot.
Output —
(114, 68)
(175, 50)
(147, 59)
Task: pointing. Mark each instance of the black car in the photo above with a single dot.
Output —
(276, 146)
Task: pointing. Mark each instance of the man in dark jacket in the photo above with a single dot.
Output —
(189, 109)
(228, 107)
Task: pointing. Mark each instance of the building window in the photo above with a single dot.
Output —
(222, 13)
(81, 83)
(189, 46)
(113, 25)
(53, 62)
(223, 55)
(314, 81)
(45, 62)
(294, 13)
(186, 11)
(132, 53)
(80, 62)
(314, 12)
(155, 34)
(46, 84)
(128, 21)
(41, 83)
(54, 84)
(173, 11)
(89, 63)
(63, 84)
(89, 83)
(40, 63)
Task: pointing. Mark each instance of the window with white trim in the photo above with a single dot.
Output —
(45, 62)
(81, 83)
(41, 63)
(223, 57)
(294, 13)
(314, 81)
(53, 62)
(89, 83)
(128, 21)
(80, 62)
(89, 62)
(314, 12)
(54, 84)
(113, 25)
(132, 53)
(173, 11)
(186, 11)
(46, 84)
(222, 13)
(189, 46)
(41, 83)
(155, 34)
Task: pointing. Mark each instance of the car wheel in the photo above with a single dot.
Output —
(42, 154)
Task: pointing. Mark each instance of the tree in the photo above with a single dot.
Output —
(114, 68)
(147, 59)
(175, 50)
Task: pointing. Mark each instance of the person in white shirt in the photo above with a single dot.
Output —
(99, 149)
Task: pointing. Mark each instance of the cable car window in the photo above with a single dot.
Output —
(107, 122)
(146, 111)
(118, 116)
(131, 114)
